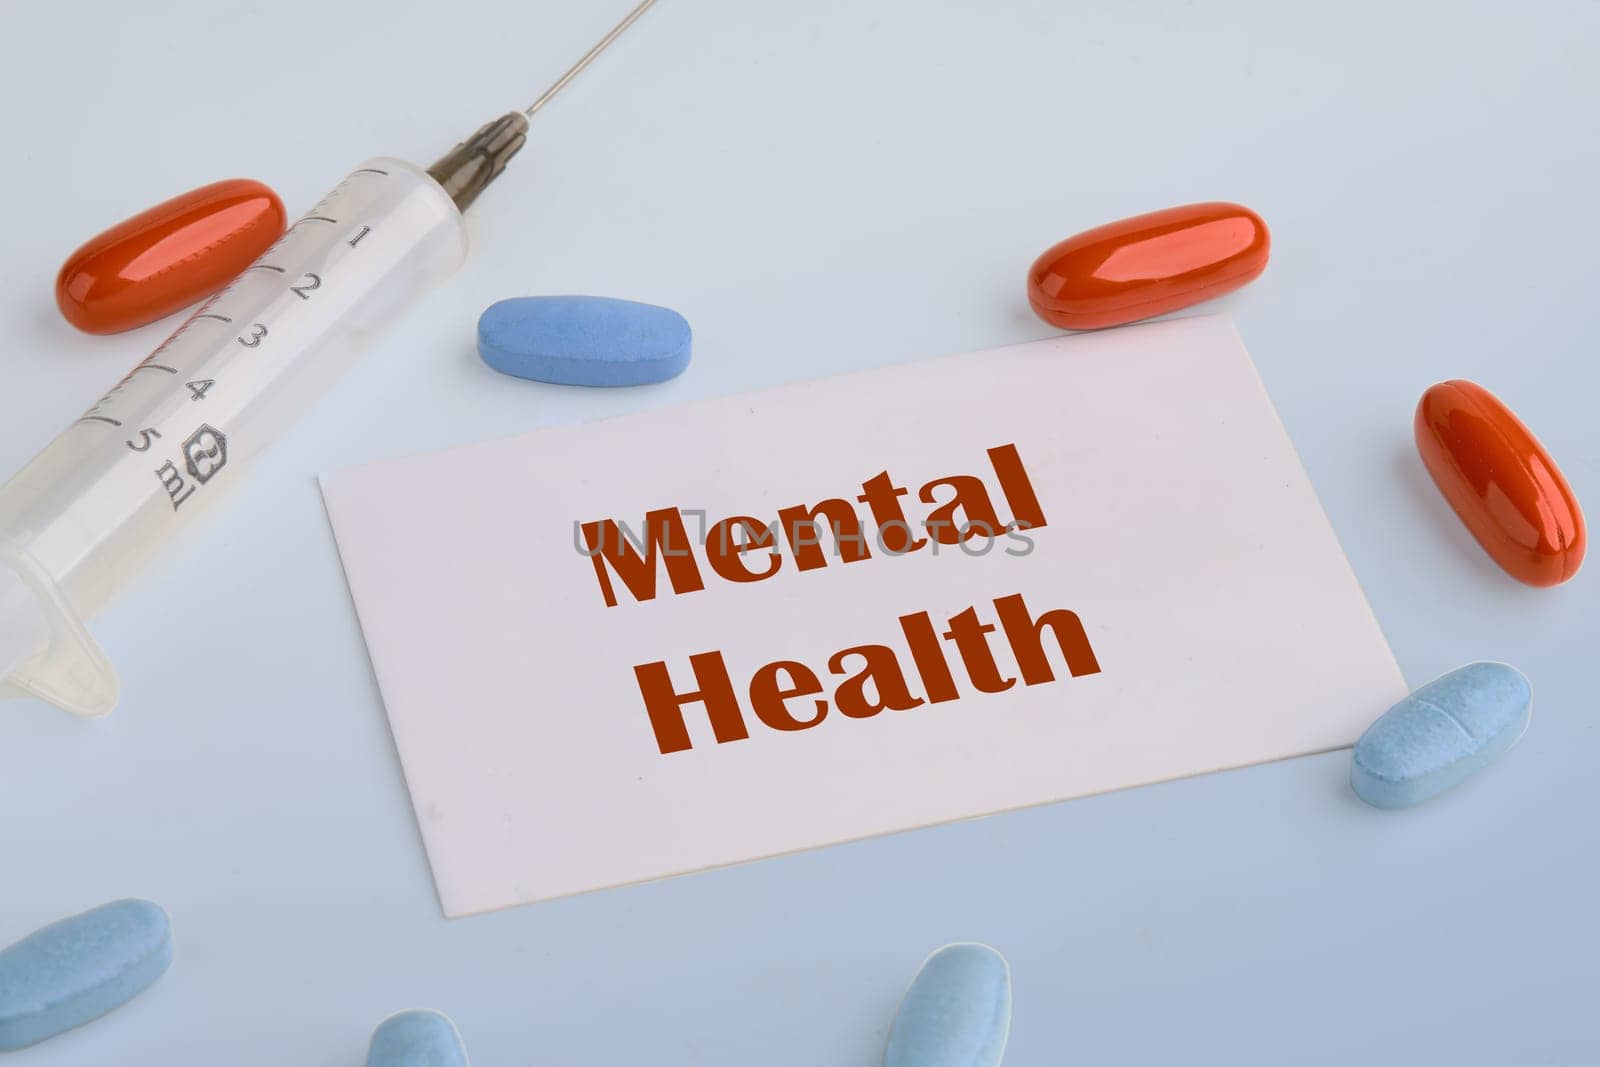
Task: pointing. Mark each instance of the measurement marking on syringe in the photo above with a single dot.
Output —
(91, 510)
(152, 366)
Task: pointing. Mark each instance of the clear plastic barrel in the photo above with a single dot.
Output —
(180, 427)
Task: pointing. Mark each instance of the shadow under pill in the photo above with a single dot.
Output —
(1425, 500)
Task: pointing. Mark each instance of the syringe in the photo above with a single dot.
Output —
(77, 521)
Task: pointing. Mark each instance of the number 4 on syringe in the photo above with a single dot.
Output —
(201, 387)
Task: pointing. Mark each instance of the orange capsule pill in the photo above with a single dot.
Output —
(168, 257)
(1501, 482)
(1148, 265)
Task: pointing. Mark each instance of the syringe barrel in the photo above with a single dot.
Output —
(164, 442)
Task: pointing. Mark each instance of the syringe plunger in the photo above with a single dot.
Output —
(23, 628)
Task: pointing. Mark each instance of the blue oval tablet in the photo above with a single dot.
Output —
(957, 1012)
(416, 1039)
(1441, 734)
(584, 340)
(78, 969)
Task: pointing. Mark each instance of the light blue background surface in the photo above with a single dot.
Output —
(820, 188)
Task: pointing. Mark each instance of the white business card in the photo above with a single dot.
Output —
(741, 627)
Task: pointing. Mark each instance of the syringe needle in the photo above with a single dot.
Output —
(577, 68)
(477, 161)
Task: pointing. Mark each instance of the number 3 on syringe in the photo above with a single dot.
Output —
(308, 282)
